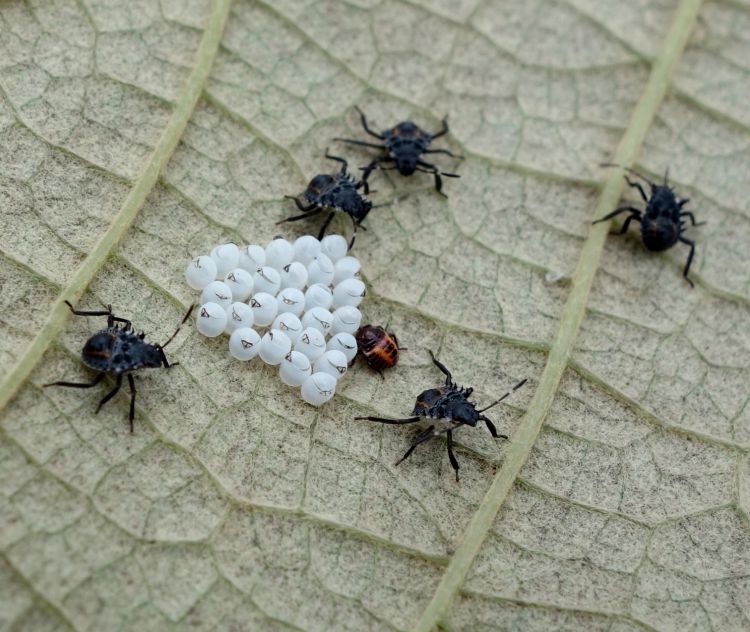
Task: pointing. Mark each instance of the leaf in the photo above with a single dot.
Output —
(132, 140)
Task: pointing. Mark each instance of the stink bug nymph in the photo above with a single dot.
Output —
(119, 350)
(336, 192)
(378, 347)
(404, 145)
(662, 223)
(449, 404)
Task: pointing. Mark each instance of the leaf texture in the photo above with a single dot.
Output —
(136, 135)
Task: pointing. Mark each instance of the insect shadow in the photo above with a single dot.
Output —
(451, 405)
(337, 192)
(662, 222)
(118, 349)
(405, 145)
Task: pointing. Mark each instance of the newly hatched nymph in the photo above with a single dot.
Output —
(662, 223)
(336, 192)
(451, 405)
(119, 350)
(378, 347)
(404, 145)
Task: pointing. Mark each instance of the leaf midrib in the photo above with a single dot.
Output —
(573, 312)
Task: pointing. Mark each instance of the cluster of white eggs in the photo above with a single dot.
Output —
(302, 292)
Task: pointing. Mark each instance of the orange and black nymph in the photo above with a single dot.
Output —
(378, 347)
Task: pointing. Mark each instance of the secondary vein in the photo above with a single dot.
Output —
(133, 203)
(572, 316)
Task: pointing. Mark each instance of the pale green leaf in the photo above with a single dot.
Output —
(134, 135)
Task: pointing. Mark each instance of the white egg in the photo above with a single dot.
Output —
(318, 295)
(332, 362)
(211, 319)
(201, 271)
(267, 279)
(274, 346)
(291, 300)
(334, 247)
(345, 268)
(226, 257)
(294, 275)
(344, 342)
(239, 315)
(320, 270)
(311, 342)
(289, 324)
(279, 252)
(318, 318)
(349, 292)
(306, 248)
(265, 308)
(240, 281)
(318, 388)
(244, 343)
(217, 292)
(346, 320)
(294, 368)
(252, 257)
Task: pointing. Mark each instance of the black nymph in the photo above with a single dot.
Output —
(119, 350)
(335, 192)
(404, 145)
(449, 403)
(663, 221)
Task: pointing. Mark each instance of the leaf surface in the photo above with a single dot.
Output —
(136, 135)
